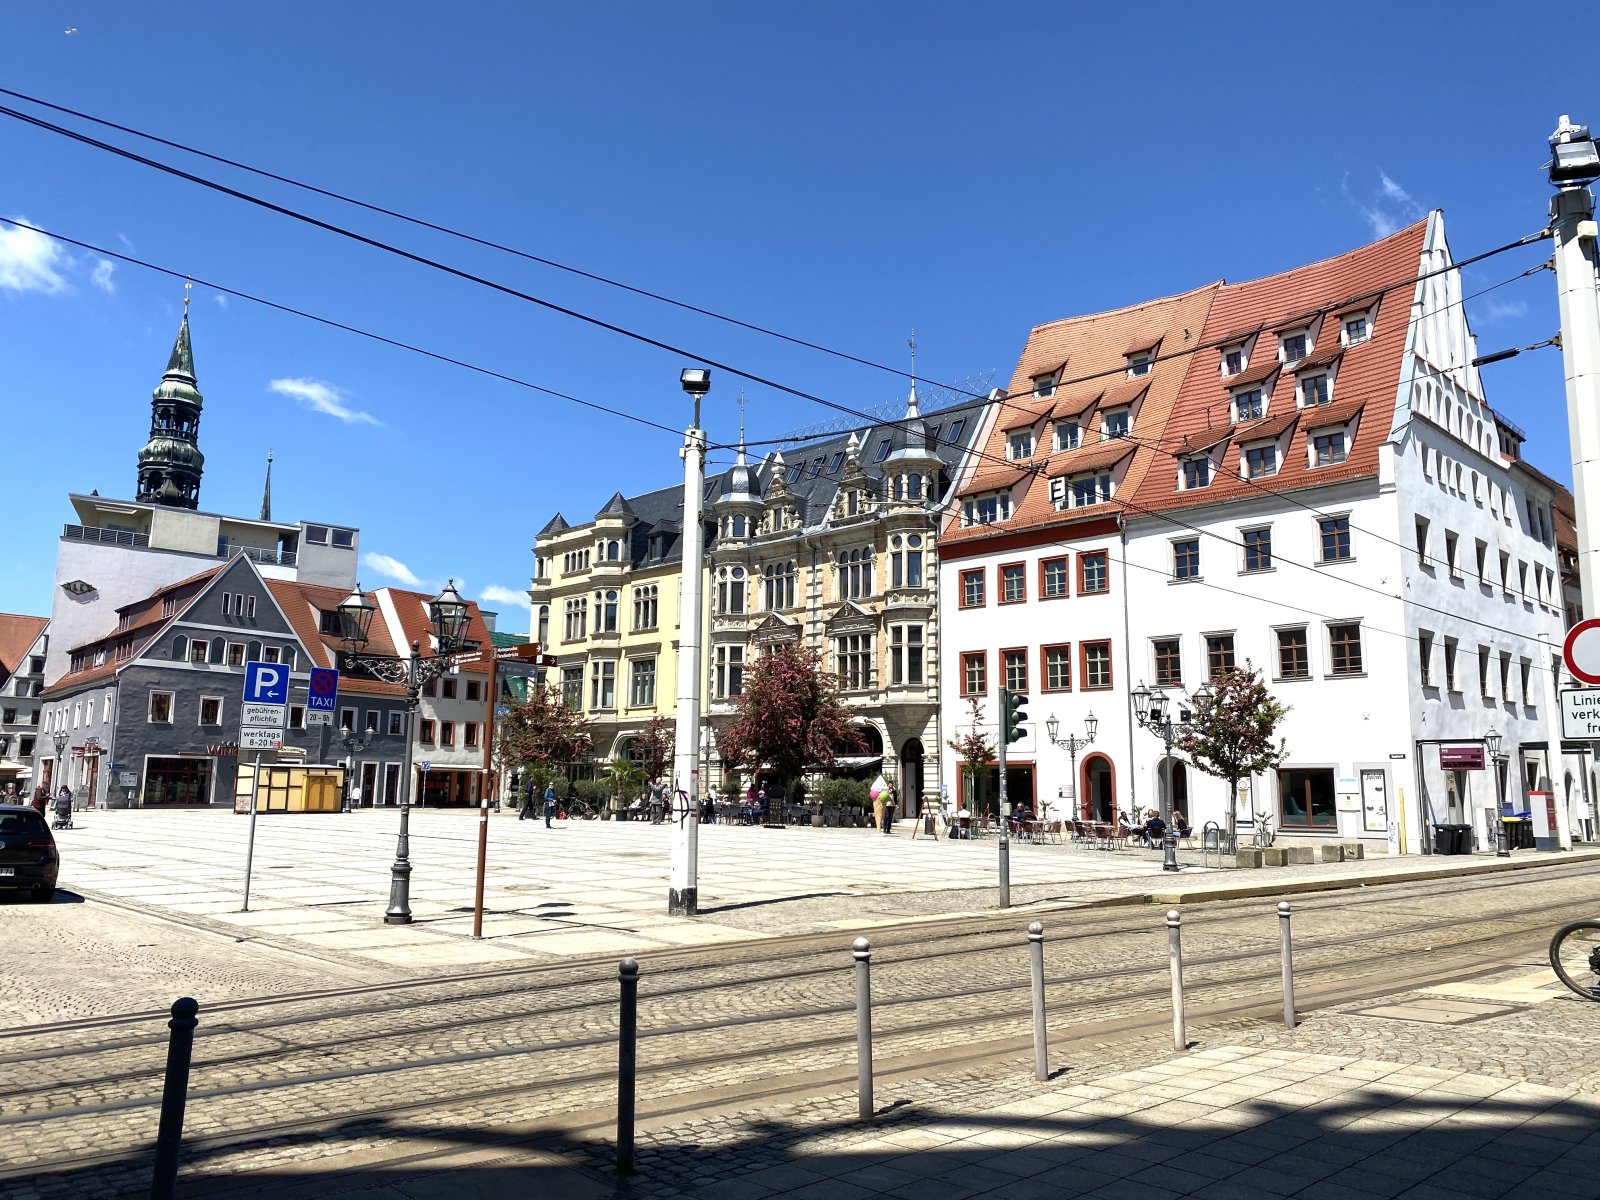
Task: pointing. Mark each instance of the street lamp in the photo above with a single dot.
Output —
(61, 737)
(1492, 741)
(1150, 709)
(355, 743)
(449, 615)
(683, 884)
(1072, 744)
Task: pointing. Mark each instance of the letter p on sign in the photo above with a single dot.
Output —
(266, 683)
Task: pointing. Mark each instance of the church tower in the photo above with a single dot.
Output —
(170, 465)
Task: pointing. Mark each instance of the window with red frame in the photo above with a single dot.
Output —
(1015, 663)
(1056, 663)
(1013, 583)
(974, 673)
(1094, 573)
(1053, 578)
(972, 588)
(1096, 663)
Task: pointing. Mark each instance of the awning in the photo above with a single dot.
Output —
(852, 761)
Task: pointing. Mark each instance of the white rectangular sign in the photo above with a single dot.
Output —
(1580, 714)
(262, 714)
(259, 739)
(318, 718)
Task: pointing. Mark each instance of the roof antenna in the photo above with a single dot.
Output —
(741, 422)
(266, 492)
(911, 405)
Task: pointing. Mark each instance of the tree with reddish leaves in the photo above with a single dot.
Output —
(542, 733)
(975, 748)
(657, 741)
(1230, 736)
(790, 715)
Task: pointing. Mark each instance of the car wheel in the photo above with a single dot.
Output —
(44, 893)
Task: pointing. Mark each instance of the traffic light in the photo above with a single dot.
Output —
(1014, 706)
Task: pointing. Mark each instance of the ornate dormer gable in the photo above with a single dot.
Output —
(856, 496)
(776, 628)
(781, 513)
(850, 617)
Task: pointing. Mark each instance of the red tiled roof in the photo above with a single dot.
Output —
(1368, 371)
(412, 609)
(1097, 346)
(1325, 356)
(303, 604)
(1332, 414)
(1096, 456)
(994, 481)
(1266, 366)
(1025, 418)
(18, 633)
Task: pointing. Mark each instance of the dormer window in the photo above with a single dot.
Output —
(1249, 406)
(955, 428)
(883, 449)
(1314, 391)
(1116, 424)
(1139, 363)
(838, 460)
(1020, 444)
(1196, 473)
(816, 465)
(1260, 461)
(1067, 435)
(1292, 347)
(1356, 329)
(1233, 361)
(1329, 447)
(796, 471)
(986, 510)
(1044, 385)
(1085, 490)
(711, 486)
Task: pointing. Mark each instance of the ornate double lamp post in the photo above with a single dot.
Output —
(1072, 744)
(355, 743)
(1496, 762)
(448, 613)
(61, 737)
(1152, 709)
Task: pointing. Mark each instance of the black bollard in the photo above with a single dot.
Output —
(627, 1062)
(174, 1094)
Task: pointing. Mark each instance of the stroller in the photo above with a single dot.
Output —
(62, 806)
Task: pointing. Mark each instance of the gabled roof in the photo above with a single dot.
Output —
(1263, 369)
(1367, 382)
(1097, 347)
(556, 524)
(412, 610)
(18, 633)
(615, 507)
(303, 605)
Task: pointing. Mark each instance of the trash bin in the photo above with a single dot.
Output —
(1463, 838)
(1444, 839)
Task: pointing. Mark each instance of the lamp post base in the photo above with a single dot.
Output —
(1169, 852)
(399, 910)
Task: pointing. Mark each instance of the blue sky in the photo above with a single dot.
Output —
(841, 172)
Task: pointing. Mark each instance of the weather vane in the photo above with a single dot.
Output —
(188, 285)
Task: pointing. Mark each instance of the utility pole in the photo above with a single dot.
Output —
(1005, 809)
(683, 894)
(1574, 165)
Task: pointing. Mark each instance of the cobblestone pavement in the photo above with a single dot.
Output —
(321, 882)
(283, 1085)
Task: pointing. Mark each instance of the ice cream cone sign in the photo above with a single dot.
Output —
(880, 785)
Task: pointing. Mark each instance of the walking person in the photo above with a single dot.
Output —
(41, 798)
(528, 794)
(888, 810)
(549, 803)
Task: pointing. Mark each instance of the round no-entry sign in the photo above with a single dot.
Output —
(1581, 651)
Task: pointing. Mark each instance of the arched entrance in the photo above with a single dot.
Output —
(1174, 777)
(1099, 789)
(911, 776)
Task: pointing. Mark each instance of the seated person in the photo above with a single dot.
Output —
(1154, 829)
(1124, 827)
(962, 823)
(1180, 826)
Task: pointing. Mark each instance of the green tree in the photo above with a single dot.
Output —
(542, 734)
(657, 742)
(625, 780)
(974, 747)
(1231, 735)
(790, 715)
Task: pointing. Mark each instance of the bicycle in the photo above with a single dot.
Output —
(1575, 957)
(581, 810)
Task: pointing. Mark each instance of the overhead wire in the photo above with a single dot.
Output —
(340, 325)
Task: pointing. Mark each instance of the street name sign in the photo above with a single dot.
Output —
(1580, 714)
(323, 692)
(1581, 651)
(252, 738)
(262, 714)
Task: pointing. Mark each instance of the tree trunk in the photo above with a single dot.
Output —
(1233, 813)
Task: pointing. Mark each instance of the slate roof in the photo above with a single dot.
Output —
(661, 511)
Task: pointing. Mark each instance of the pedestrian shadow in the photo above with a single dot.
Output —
(1371, 1141)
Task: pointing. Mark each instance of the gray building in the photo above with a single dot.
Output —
(22, 651)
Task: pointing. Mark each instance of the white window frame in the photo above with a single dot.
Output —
(150, 709)
(1019, 444)
(1283, 345)
(200, 711)
(1140, 363)
(1245, 394)
(1244, 460)
(1106, 417)
(1068, 435)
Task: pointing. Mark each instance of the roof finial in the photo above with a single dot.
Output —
(911, 404)
(266, 492)
(741, 428)
(188, 286)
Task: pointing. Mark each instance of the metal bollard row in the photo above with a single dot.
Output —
(862, 950)
(627, 1061)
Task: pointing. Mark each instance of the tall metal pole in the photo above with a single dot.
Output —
(1169, 839)
(1572, 217)
(683, 898)
(1180, 1038)
(1286, 955)
(1041, 1047)
(861, 950)
(399, 910)
(1005, 807)
(250, 841)
(483, 858)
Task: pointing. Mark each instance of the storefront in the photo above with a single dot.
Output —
(450, 787)
(178, 782)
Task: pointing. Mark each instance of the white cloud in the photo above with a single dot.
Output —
(101, 275)
(495, 594)
(1390, 190)
(29, 261)
(1492, 310)
(1390, 206)
(220, 300)
(323, 398)
(391, 568)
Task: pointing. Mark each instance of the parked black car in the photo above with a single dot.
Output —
(28, 858)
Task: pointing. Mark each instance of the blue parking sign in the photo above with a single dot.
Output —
(266, 683)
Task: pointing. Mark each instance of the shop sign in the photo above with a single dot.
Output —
(1461, 758)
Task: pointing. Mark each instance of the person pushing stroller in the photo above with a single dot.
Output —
(62, 807)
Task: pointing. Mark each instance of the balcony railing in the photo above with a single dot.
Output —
(277, 558)
(113, 537)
